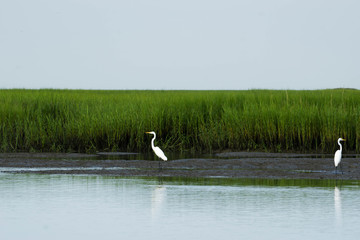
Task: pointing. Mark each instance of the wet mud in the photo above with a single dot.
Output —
(227, 165)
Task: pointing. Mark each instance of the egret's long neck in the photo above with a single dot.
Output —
(152, 141)
(340, 146)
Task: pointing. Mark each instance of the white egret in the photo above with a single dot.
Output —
(337, 157)
(157, 150)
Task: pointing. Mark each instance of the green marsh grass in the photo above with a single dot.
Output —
(203, 121)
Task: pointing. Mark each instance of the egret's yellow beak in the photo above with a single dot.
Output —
(147, 132)
(344, 140)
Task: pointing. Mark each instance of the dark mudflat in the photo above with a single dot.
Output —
(230, 165)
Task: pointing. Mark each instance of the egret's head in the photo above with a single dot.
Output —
(152, 132)
(341, 139)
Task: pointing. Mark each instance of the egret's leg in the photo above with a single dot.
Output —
(341, 169)
(160, 168)
(335, 170)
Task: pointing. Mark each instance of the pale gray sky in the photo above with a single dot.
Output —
(187, 44)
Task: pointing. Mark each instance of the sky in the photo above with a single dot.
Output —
(187, 44)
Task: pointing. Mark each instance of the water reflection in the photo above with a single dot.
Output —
(95, 207)
(158, 200)
(338, 208)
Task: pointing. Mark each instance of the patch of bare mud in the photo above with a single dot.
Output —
(231, 165)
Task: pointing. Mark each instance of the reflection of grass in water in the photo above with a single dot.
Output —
(260, 182)
(251, 182)
(88, 121)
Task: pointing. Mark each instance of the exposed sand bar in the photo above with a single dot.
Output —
(229, 165)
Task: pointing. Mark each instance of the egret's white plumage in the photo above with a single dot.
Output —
(157, 150)
(337, 157)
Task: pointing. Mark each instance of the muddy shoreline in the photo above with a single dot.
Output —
(227, 165)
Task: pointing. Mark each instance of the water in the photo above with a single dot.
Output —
(94, 207)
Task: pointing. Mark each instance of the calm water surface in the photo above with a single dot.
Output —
(94, 207)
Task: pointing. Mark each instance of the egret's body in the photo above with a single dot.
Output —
(159, 153)
(337, 156)
(157, 150)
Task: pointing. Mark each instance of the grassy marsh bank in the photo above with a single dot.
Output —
(255, 120)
